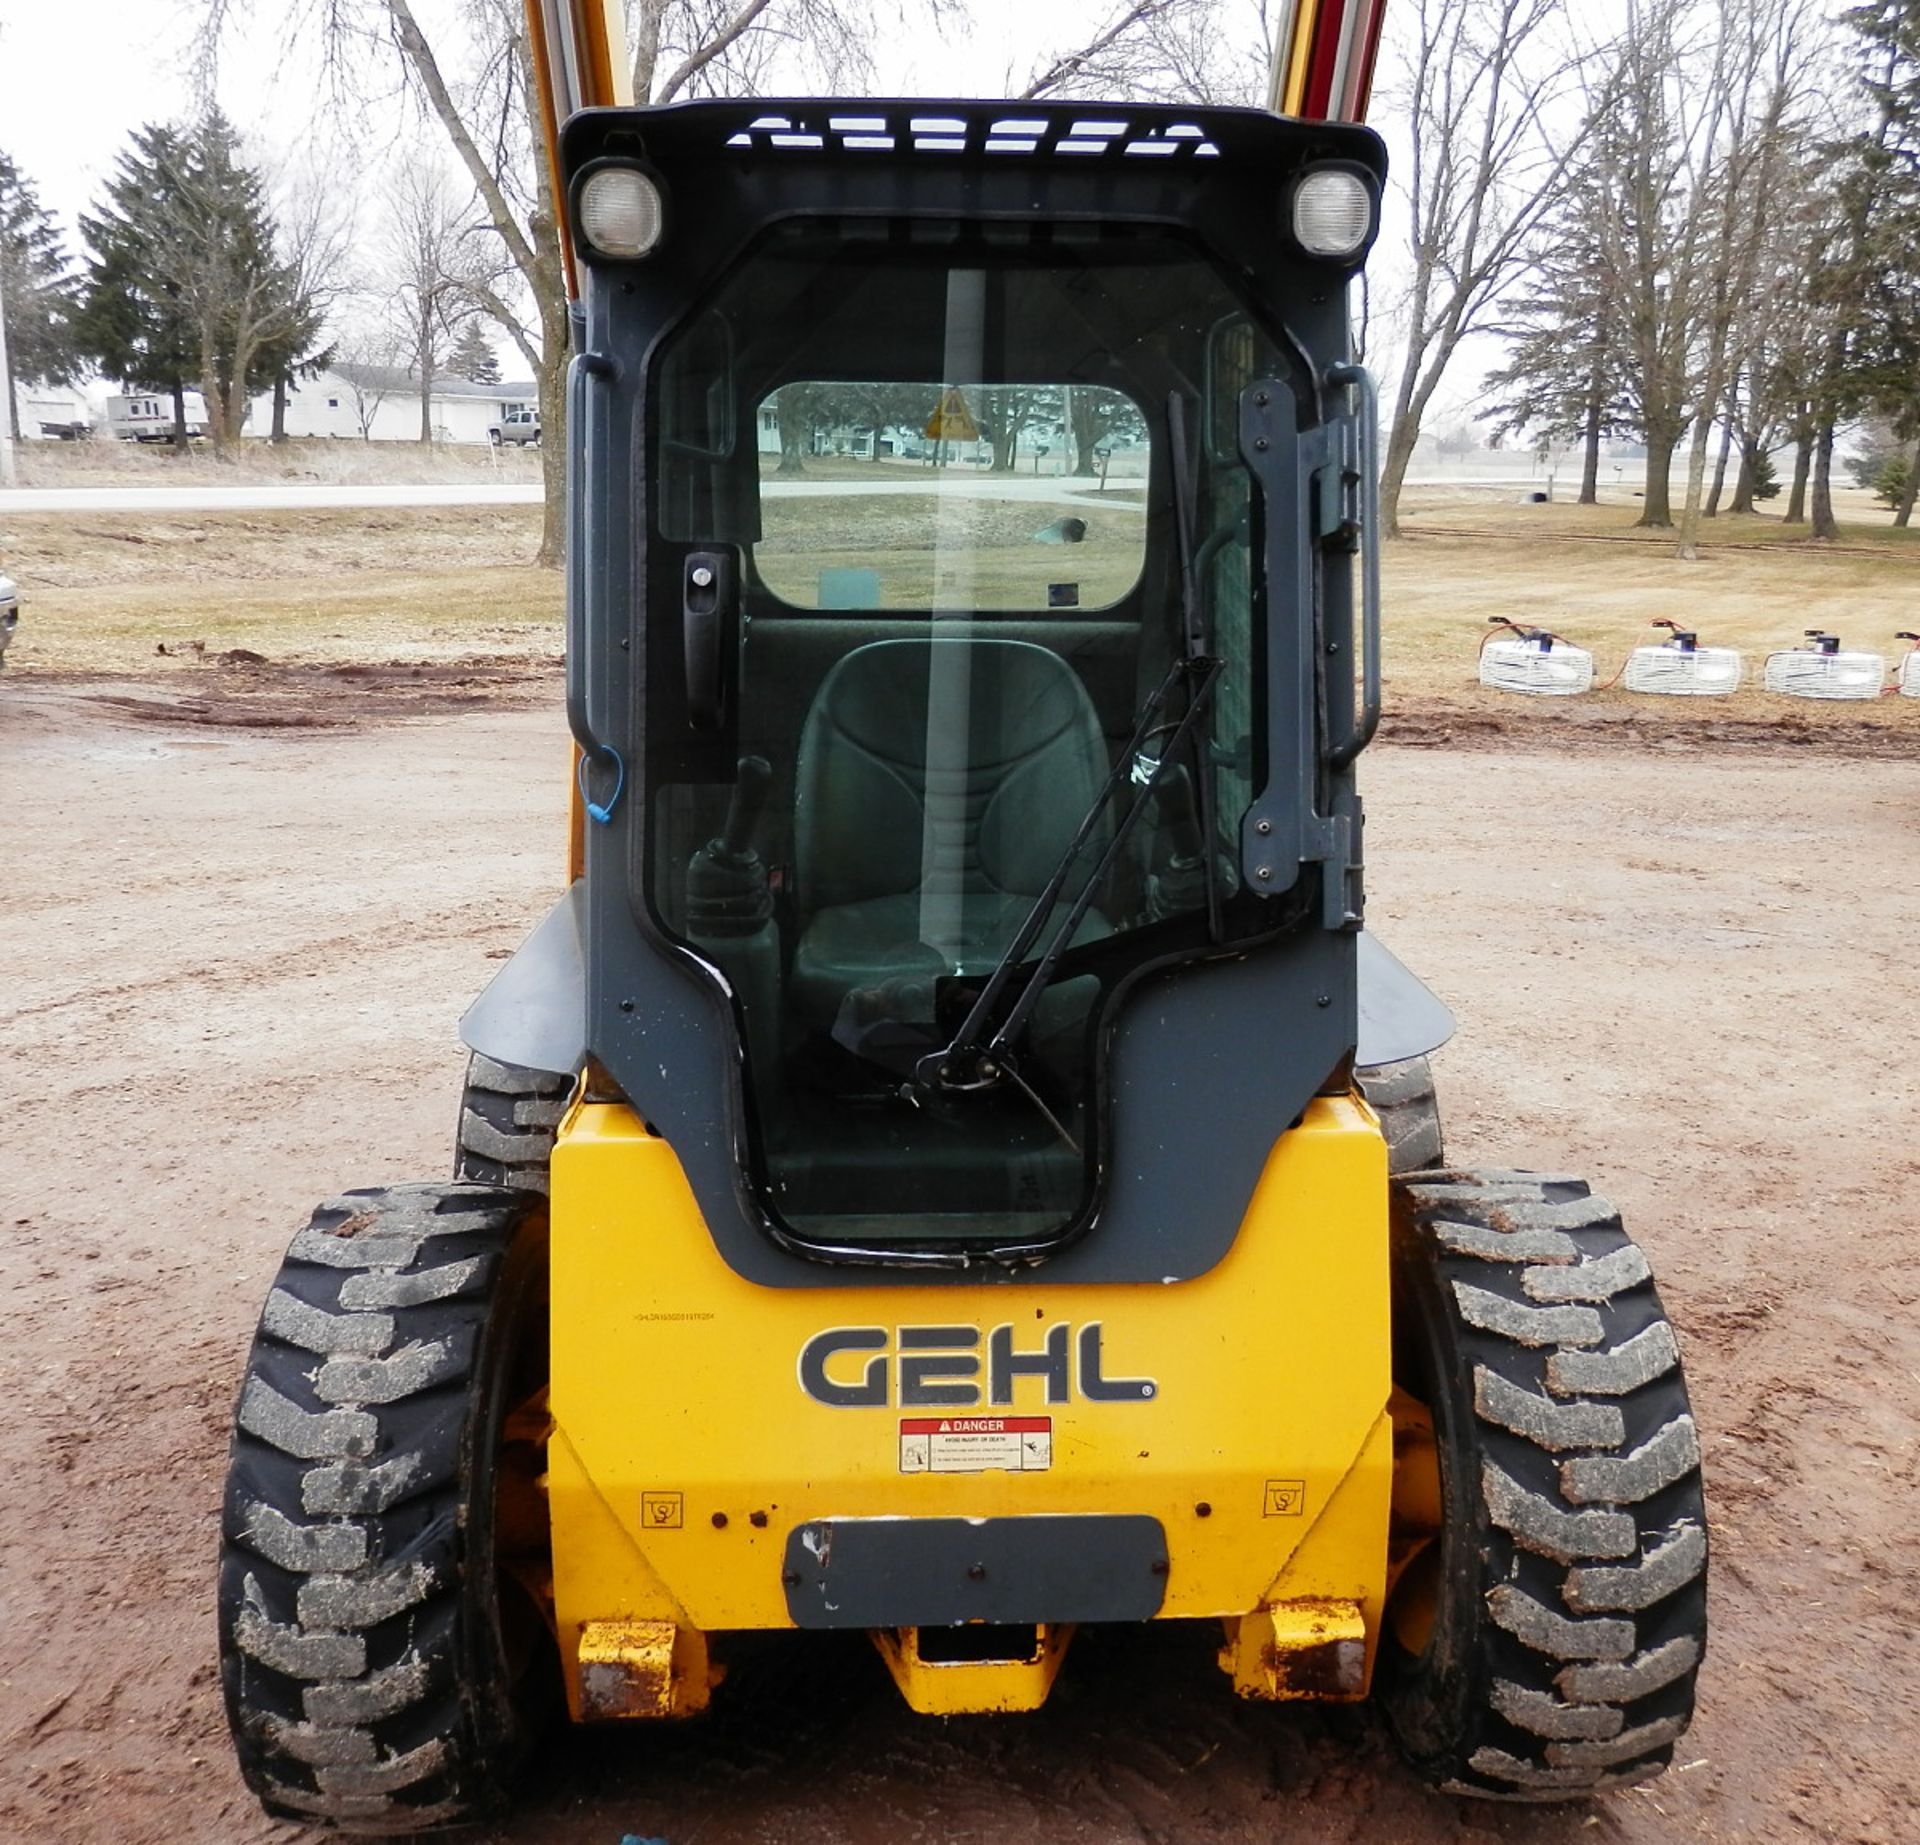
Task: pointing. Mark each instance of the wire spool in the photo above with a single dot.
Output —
(1803, 672)
(1673, 671)
(1544, 668)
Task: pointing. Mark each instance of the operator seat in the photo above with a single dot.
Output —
(1031, 764)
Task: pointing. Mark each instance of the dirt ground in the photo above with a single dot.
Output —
(237, 950)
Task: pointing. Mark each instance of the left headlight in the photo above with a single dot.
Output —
(619, 211)
(1332, 212)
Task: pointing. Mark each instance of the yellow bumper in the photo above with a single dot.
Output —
(691, 1443)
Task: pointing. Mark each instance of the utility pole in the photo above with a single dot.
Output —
(7, 475)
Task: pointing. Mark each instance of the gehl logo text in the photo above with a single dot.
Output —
(942, 1367)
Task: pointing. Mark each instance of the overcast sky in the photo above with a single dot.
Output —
(78, 76)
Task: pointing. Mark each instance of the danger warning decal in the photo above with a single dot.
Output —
(976, 1444)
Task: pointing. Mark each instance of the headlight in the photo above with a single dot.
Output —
(1332, 212)
(621, 212)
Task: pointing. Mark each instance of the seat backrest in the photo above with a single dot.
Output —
(1017, 759)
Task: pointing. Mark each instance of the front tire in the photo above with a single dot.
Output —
(384, 1592)
(1545, 1644)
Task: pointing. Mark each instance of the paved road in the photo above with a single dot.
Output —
(255, 499)
(267, 499)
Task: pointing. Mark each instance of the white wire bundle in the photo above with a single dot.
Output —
(1531, 666)
(1678, 672)
(1910, 674)
(1802, 672)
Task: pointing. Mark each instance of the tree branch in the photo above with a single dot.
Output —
(717, 46)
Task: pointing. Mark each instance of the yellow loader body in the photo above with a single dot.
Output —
(1245, 1412)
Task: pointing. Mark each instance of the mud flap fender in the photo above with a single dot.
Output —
(534, 1011)
(1399, 1015)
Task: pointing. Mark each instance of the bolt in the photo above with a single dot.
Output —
(626, 1005)
(1203, 1510)
(1159, 1566)
(1264, 873)
(702, 577)
(1325, 999)
(1333, 647)
(976, 1572)
(719, 1521)
(1263, 827)
(758, 1520)
(1260, 443)
(791, 1578)
(1262, 399)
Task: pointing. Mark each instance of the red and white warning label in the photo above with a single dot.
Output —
(976, 1444)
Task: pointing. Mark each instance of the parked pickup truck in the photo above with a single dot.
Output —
(517, 428)
(9, 613)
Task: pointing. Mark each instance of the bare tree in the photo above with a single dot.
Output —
(1755, 76)
(1478, 82)
(1180, 50)
(368, 361)
(438, 270)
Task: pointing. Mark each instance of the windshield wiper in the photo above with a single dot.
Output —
(976, 1057)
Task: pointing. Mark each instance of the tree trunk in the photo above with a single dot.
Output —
(1748, 477)
(1802, 467)
(1825, 525)
(1590, 462)
(426, 407)
(1903, 513)
(1720, 470)
(550, 379)
(1403, 439)
(179, 418)
(1006, 447)
(1656, 512)
(279, 409)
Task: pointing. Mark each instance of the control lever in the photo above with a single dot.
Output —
(1180, 885)
(753, 780)
(727, 890)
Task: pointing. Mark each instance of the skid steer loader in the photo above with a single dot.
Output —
(954, 1165)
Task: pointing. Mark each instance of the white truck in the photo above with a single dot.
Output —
(518, 427)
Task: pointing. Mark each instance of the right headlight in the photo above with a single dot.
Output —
(1332, 212)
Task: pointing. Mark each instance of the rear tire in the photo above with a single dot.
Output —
(384, 1584)
(1402, 1095)
(1545, 1645)
(509, 1117)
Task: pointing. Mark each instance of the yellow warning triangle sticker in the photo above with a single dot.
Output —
(954, 420)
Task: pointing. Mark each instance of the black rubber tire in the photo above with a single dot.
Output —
(1568, 1584)
(1402, 1095)
(508, 1119)
(382, 1672)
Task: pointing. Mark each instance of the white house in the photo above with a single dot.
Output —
(381, 403)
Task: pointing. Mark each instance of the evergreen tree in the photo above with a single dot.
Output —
(473, 358)
(131, 319)
(1887, 348)
(1563, 379)
(187, 287)
(36, 292)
